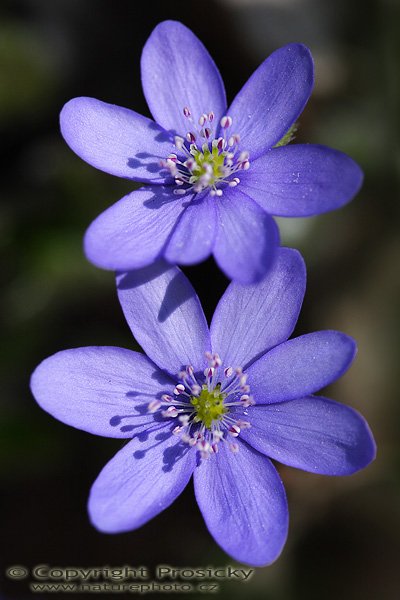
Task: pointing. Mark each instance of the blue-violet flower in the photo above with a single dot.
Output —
(215, 175)
(216, 403)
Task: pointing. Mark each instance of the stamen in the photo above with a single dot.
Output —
(190, 137)
(179, 389)
(170, 412)
(234, 430)
(226, 122)
(203, 409)
(209, 164)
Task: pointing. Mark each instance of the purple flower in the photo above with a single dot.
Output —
(212, 403)
(215, 175)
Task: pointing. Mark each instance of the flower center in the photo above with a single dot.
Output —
(209, 406)
(205, 410)
(204, 161)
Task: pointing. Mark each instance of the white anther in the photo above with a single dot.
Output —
(226, 122)
(211, 117)
(234, 448)
(196, 390)
(245, 165)
(190, 137)
(209, 372)
(228, 372)
(177, 430)
(179, 192)
(234, 430)
(247, 400)
(170, 412)
(153, 406)
(221, 144)
(216, 360)
(186, 112)
(203, 445)
(179, 389)
(166, 398)
(184, 419)
(243, 156)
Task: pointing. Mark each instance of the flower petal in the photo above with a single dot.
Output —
(250, 320)
(247, 238)
(115, 139)
(142, 480)
(302, 180)
(165, 316)
(178, 72)
(314, 434)
(194, 234)
(272, 99)
(243, 503)
(300, 366)
(133, 231)
(102, 390)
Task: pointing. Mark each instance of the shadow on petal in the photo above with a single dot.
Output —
(176, 294)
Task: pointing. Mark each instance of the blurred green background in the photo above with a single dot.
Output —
(344, 533)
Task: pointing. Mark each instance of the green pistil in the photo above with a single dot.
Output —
(209, 406)
(205, 157)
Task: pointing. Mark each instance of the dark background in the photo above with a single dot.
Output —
(344, 534)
